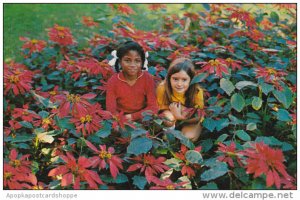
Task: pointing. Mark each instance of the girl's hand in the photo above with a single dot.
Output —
(128, 117)
(176, 110)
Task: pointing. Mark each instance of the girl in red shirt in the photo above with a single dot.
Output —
(131, 90)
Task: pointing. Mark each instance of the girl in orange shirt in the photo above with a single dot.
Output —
(175, 96)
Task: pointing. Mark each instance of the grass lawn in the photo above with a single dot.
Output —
(32, 20)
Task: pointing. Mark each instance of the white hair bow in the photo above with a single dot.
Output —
(112, 62)
(114, 59)
(146, 61)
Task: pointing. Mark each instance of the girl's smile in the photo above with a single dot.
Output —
(180, 82)
(131, 64)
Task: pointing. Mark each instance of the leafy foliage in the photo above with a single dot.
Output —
(58, 135)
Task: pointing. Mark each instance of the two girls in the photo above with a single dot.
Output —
(132, 91)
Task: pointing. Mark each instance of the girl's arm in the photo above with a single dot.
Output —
(151, 103)
(111, 103)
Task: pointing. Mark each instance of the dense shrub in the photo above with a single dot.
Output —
(58, 135)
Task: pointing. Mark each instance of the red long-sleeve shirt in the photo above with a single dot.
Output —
(135, 99)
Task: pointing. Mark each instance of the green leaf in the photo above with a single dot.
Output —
(256, 103)
(20, 138)
(209, 124)
(139, 145)
(105, 130)
(243, 135)
(285, 97)
(26, 124)
(182, 138)
(227, 86)
(173, 163)
(274, 17)
(266, 88)
(199, 78)
(193, 157)
(63, 123)
(283, 115)
(251, 127)
(222, 123)
(216, 170)
(221, 138)
(237, 102)
(139, 181)
(138, 132)
(240, 85)
(210, 186)
(241, 174)
(206, 145)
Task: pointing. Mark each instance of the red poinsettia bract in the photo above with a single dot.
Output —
(75, 171)
(17, 172)
(166, 184)
(217, 66)
(87, 121)
(17, 79)
(262, 159)
(149, 164)
(61, 35)
(229, 152)
(106, 156)
(74, 102)
(187, 168)
(33, 45)
(89, 21)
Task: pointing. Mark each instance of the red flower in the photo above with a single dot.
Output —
(166, 184)
(157, 6)
(20, 163)
(269, 74)
(183, 52)
(14, 180)
(243, 16)
(68, 65)
(263, 159)
(122, 8)
(105, 157)
(192, 16)
(164, 42)
(187, 168)
(229, 152)
(75, 171)
(149, 164)
(25, 115)
(61, 35)
(120, 121)
(234, 64)
(100, 40)
(74, 102)
(17, 172)
(33, 45)
(16, 78)
(89, 21)
(87, 121)
(217, 66)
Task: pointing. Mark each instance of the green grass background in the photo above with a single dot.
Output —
(32, 20)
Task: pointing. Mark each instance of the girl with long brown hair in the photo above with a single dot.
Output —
(176, 97)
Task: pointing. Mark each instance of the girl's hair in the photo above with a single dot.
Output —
(125, 48)
(176, 66)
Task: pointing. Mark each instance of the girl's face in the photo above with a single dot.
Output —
(180, 82)
(131, 63)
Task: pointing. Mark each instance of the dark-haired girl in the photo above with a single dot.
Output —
(175, 96)
(131, 90)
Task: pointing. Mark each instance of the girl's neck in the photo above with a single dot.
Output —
(129, 78)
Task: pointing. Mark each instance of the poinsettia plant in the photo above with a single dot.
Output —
(58, 134)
